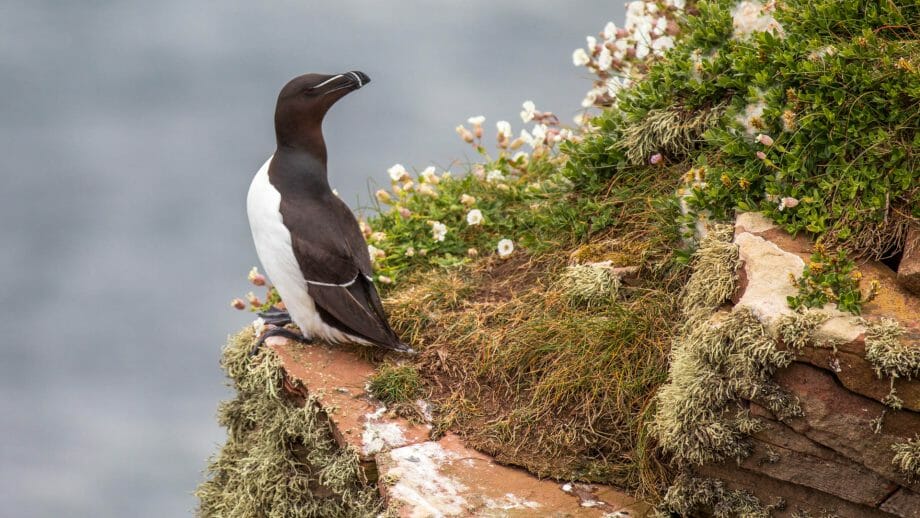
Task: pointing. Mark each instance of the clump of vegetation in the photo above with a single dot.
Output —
(690, 496)
(907, 457)
(280, 458)
(886, 352)
(717, 360)
(395, 384)
(818, 133)
(891, 357)
(796, 330)
(831, 278)
(561, 389)
(590, 284)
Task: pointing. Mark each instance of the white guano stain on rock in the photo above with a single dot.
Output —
(420, 483)
(379, 436)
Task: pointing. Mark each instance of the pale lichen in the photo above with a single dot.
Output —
(690, 496)
(907, 457)
(590, 285)
(280, 459)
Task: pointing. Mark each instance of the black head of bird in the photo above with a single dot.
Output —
(303, 103)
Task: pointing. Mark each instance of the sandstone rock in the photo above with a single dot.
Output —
(797, 498)
(337, 378)
(909, 269)
(857, 374)
(903, 502)
(831, 474)
(445, 478)
(767, 268)
(840, 420)
(420, 477)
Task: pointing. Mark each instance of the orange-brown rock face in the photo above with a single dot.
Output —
(422, 477)
(835, 457)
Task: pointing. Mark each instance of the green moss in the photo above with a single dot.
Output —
(280, 459)
(394, 384)
(907, 457)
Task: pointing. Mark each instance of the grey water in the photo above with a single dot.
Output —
(129, 132)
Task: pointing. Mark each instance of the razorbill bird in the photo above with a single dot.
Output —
(307, 239)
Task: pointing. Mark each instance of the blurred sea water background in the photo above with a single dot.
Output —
(129, 132)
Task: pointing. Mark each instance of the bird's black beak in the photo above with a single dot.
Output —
(348, 81)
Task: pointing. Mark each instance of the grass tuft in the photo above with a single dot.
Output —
(395, 384)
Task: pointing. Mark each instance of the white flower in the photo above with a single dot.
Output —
(494, 176)
(787, 202)
(474, 217)
(438, 230)
(518, 156)
(604, 60)
(398, 173)
(642, 50)
(427, 175)
(679, 4)
(375, 253)
(580, 58)
(661, 25)
(467, 200)
(410, 252)
(528, 112)
(610, 31)
(662, 44)
(477, 120)
(377, 236)
(383, 279)
(427, 190)
(636, 8)
(539, 135)
(383, 196)
(504, 129)
(505, 247)
(592, 42)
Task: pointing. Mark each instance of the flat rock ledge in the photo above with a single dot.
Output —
(422, 477)
(835, 459)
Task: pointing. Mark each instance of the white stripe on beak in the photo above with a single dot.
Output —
(328, 81)
(360, 84)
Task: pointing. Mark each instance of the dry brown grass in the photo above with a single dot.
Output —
(560, 389)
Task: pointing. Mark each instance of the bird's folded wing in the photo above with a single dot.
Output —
(356, 309)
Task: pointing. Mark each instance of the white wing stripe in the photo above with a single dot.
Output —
(333, 285)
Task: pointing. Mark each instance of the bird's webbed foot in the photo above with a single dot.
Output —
(276, 317)
(276, 331)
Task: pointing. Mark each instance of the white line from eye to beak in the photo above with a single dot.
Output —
(360, 83)
(328, 81)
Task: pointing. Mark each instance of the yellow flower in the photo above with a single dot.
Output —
(744, 183)
(726, 181)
